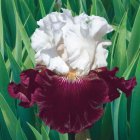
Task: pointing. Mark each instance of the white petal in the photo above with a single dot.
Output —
(45, 59)
(39, 40)
(50, 58)
(67, 12)
(99, 27)
(101, 55)
(38, 59)
(55, 63)
(78, 48)
(58, 65)
(82, 63)
(63, 42)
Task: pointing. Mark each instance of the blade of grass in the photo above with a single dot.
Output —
(113, 47)
(52, 6)
(122, 123)
(14, 66)
(115, 106)
(9, 117)
(18, 47)
(1, 32)
(45, 135)
(119, 10)
(120, 59)
(97, 8)
(19, 133)
(48, 5)
(43, 12)
(4, 81)
(36, 133)
(83, 7)
(54, 135)
(27, 17)
(24, 34)
(63, 136)
(74, 4)
(135, 113)
(135, 38)
(9, 17)
(95, 131)
(106, 127)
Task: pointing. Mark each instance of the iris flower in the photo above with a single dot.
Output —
(71, 82)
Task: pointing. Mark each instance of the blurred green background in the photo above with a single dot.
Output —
(121, 120)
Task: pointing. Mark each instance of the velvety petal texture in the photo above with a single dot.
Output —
(68, 105)
(25, 89)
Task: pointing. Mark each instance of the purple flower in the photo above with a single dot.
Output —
(71, 82)
(69, 105)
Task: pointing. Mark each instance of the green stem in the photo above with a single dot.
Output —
(71, 136)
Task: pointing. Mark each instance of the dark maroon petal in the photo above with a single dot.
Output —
(15, 93)
(24, 90)
(115, 84)
(70, 106)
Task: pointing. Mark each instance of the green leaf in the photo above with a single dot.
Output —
(52, 6)
(27, 17)
(14, 66)
(44, 133)
(95, 131)
(43, 12)
(19, 133)
(9, 17)
(122, 123)
(18, 47)
(135, 104)
(120, 58)
(9, 117)
(4, 81)
(3, 76)
(97, 8)
(36, 133)
(54, 135)
(113, 49)
(1, 32)
(24, 34)
(106, 127)
(119, 10)
(63, 136)
(135, 38)
(83, 7)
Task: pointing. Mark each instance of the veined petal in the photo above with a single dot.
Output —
(66, 105)
(79, 103)
(76, 104)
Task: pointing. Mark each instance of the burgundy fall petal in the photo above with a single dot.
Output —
(24, 90)
(115, 84)
(69, 106)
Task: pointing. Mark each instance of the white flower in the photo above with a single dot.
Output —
(65, 43)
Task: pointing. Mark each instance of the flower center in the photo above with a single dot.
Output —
(72, 75)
